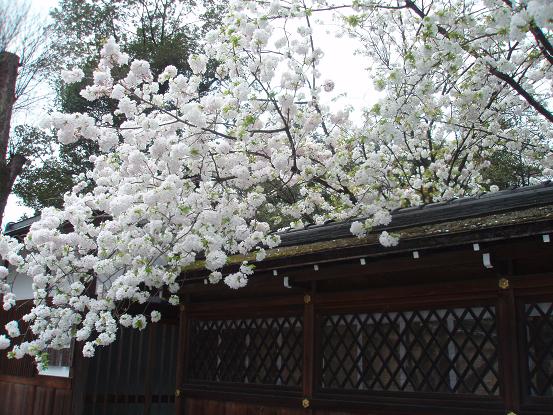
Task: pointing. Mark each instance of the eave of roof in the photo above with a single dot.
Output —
(452, 210)
(498, 226)
(21, 227)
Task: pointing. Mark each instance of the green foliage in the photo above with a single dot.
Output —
(49, 176)
(30, 142)
(510, 170)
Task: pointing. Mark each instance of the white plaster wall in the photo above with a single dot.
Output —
(22, 285)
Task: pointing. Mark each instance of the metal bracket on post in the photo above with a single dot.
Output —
(275, 272)
(476, 247)
(416, 254)
(545, 238)
(363, 261)
(316, 267)
(287, 282)
(487, 260)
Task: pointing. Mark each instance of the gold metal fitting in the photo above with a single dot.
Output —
(177, 393)
(503, 283)
(305, 403)
(306, 298)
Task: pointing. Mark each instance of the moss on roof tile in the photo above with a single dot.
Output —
(530, 215)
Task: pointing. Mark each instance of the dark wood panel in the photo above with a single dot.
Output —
(62, 402)
(17, 367)
(53, 382)
(134, 375)
(29, 398)
(44, 401)
(34, 396)
(212, 407)
(16, 399)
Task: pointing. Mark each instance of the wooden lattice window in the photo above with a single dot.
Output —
(539, 337)
(266, 350)
(440, 350)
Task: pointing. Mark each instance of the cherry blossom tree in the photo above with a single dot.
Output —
(190, 176)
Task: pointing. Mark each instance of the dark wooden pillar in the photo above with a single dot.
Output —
(507, 332)
(308, 348)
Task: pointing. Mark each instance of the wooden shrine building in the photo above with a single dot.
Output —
(456, 319)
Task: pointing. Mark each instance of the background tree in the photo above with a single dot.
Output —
(24, 64)
(24, 34)
(162, 32)
(10, 164)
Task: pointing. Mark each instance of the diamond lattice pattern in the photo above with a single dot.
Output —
(259, 351)
(441, 350)
(539, 337)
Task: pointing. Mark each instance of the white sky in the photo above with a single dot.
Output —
(339, 64)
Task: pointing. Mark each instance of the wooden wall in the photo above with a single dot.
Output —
(41, 395)
(22, 390)
(506, 312)
(135, 375)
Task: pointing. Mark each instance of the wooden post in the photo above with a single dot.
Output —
(507, 319)
(308, 349)
(181, 351)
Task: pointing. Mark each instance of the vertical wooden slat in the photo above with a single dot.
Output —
(129, 359)
(98, 367)
(139, 353)
(32, 399)
(164, 355)
(181, 358)
(152, 330)
(107, 378)
(120, 347)
(122, 388)
(173, 347)
(79, 376)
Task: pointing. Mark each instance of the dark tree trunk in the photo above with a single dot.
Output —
(10, 165)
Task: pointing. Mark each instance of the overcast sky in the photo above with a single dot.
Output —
(339, 64)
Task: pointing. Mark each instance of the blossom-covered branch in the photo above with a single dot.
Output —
(184, 175)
